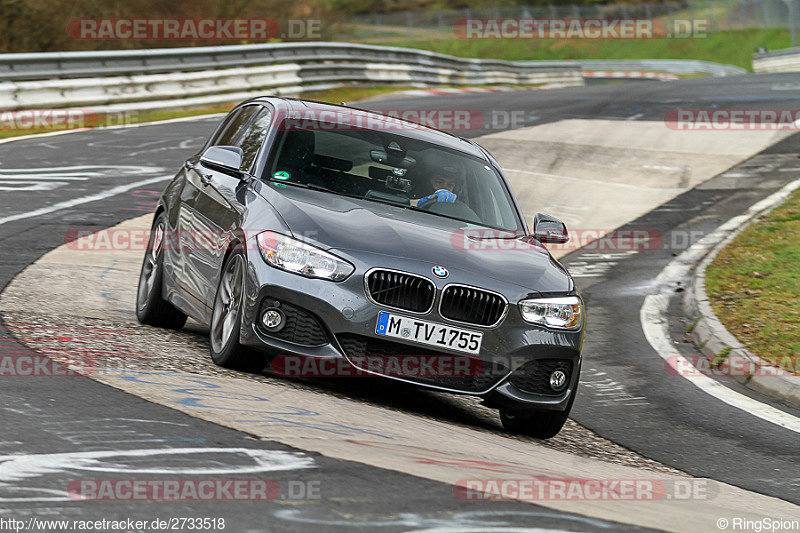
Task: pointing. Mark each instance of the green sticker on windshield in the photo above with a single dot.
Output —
(281, 175)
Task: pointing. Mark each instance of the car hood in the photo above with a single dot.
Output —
(335, 222)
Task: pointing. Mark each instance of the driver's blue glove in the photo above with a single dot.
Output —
(442, 195)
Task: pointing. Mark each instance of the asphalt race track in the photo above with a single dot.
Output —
(73, 414)
(54, 184)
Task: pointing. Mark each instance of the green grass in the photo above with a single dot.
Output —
(733, 47)
(721, 357)
(754, 286)
(129, 118)
(349, 93)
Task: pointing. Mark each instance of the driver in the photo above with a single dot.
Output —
(445, 182)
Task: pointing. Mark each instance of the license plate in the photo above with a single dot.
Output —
(430, 333)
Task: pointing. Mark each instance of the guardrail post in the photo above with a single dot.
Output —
(791, 4)
(710, 11)
(765, 13)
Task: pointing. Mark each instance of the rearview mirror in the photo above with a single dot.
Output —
(549, 229)
(393, 159)
(227, 159)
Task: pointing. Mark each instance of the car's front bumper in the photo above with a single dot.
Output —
(345, 310)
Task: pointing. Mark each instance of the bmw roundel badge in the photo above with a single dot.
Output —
(440, 271)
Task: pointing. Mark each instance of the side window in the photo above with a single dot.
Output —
(254, 137)
(225, 123)
(237, 126)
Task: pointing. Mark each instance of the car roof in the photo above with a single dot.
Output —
(419, 132)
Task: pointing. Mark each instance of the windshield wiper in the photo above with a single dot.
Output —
(383, 202)
(506, 234)
(311, 186)
(314, 187)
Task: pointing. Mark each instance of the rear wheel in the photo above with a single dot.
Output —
(151, 308)
(226, 317)
(538, 424)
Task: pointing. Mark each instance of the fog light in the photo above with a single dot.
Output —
(558, 380)
(273, 320)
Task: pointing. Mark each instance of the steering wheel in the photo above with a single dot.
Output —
(457, 209)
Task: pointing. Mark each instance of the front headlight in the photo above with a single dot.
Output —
(298, 257)
(560, 313)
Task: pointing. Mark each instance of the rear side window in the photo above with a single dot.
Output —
(225, 123)
(254, 136)
(236, 126)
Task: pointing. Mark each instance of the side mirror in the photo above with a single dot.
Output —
(549, 229)
(226, 159)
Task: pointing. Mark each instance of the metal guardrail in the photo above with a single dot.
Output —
(205, 75)
(130, 62)
(786, 60)
(179, 77)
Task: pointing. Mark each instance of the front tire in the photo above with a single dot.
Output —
(151, 308)
(226, 317)
(537, 424)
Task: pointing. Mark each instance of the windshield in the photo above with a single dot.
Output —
(388, 167)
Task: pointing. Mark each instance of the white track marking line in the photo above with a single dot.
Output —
(654, 322)
(105, 194)
(34, 170)
(40, 177)
(46, 134)
(83, 200)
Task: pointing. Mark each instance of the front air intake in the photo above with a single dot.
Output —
(400, 290)
(472, 306)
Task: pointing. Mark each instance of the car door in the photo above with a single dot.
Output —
(222, 201)
(181, 257)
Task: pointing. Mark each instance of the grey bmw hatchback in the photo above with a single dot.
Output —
(339, 241)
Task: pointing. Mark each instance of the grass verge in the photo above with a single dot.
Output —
(351, 93)
(120, 119)
(754, 286)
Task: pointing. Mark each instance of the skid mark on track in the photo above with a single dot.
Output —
(606, 391)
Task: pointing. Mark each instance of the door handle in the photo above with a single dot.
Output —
(205, 179)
